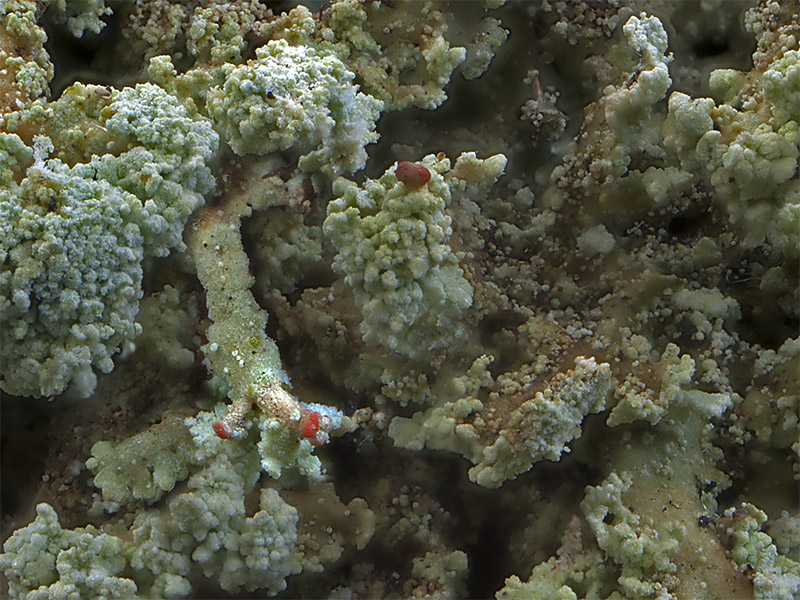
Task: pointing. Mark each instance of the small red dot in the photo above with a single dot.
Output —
(413, 175)
(310, 425)
(222, 430)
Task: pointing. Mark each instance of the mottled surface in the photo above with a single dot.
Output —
(562, 362)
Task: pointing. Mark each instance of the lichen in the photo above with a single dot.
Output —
(400, 299)
(295, 96)
(75, 235)
(392, 247)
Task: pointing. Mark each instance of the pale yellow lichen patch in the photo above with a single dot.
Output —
(238, 350)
